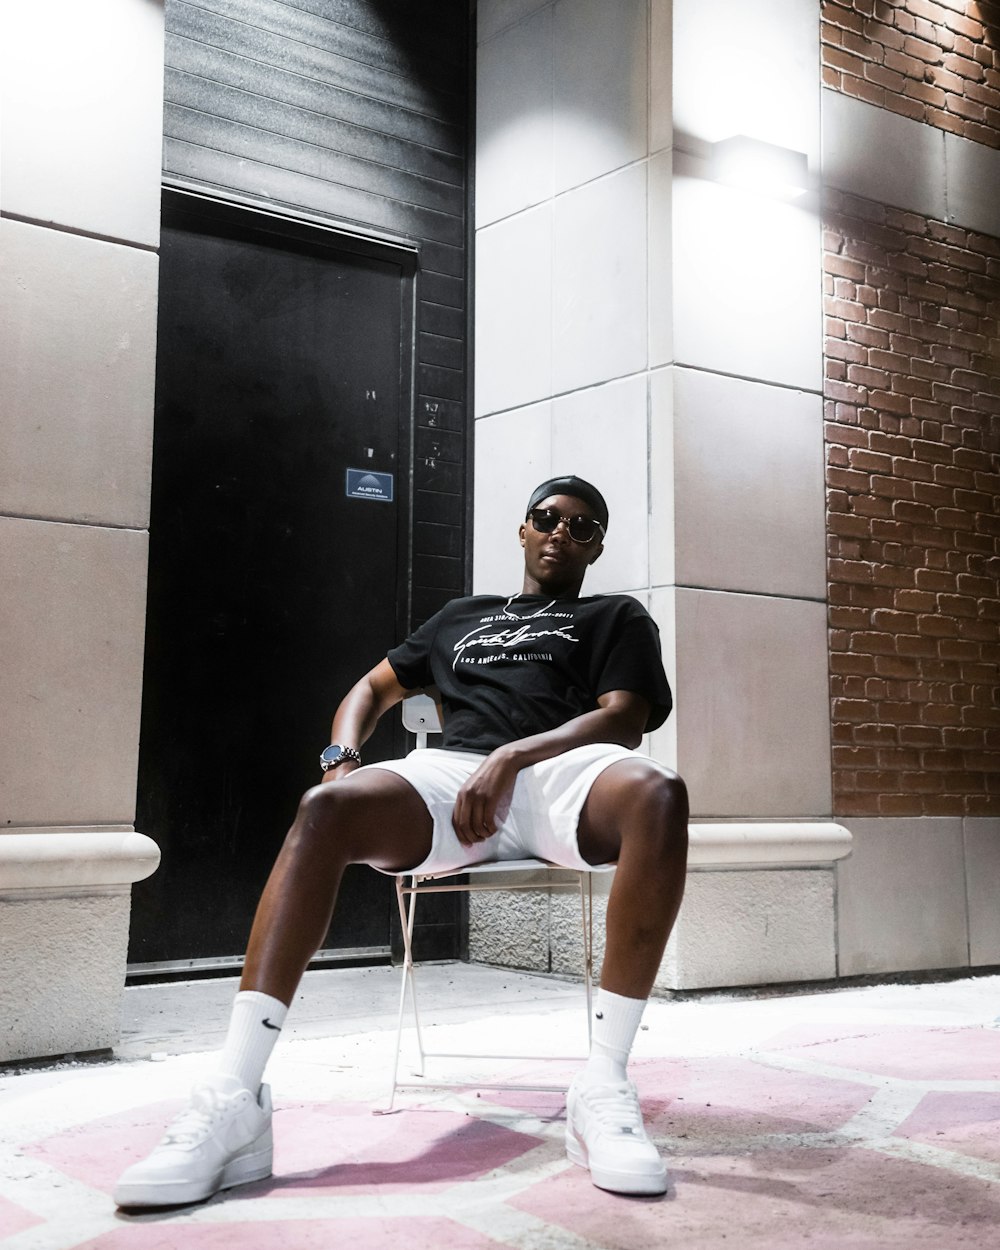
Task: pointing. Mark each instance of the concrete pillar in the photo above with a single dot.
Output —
(82, 106)
(641, 325)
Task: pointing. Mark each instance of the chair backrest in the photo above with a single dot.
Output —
(421, 717)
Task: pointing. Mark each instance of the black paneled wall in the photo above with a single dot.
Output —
(354, 110)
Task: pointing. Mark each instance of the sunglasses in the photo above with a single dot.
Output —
(582, 529)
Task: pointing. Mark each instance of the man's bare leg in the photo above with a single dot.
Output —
(371, 817)
(637, 815)
(224, 1136)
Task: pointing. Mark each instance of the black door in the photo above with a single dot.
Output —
(283, 363)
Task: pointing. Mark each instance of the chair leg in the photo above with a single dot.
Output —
(587, 905)
(402, 992)
(422, 1058)
(407, 914)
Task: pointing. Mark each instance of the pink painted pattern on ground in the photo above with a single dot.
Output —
(545, 1104)
(718, 1095)
(968, 1123)
(730, 1186)
(826, 1199)
(371, 1234)
(98, 1152)
(908, 1051)
(15, 1219)
(327, 1148)
(319, 1147)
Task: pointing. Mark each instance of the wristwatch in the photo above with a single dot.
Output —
(336, 754)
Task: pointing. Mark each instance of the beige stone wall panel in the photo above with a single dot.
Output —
(494, 16)
(901, 896)
(599, 88)
(752, 719)
(513, 324)
(973, 182)
(601, 434)
(727, 243)
(748, 486)
(599, 276)
(881, 155)
(982, 883)
(514, 117)
(82, 100)
(72, 621)
(78, 327)
(513, 454)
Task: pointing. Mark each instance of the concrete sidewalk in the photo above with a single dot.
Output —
(844, 1118)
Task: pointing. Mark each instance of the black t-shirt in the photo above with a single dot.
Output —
(510, 668)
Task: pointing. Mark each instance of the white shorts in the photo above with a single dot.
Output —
(544, 811)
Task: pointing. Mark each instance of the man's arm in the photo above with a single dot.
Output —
(359, 712)
(620, 718)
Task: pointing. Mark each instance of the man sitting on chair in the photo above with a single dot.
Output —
(546, 695)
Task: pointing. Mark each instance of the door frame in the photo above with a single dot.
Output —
(240, 214)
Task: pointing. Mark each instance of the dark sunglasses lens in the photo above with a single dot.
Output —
(582, 529)
(544, 520)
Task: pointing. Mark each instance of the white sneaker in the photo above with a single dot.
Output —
(222, 1139)
(605, 1133)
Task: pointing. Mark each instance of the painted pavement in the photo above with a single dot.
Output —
(860, 1119)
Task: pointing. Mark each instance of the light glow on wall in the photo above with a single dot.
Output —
(764, 168)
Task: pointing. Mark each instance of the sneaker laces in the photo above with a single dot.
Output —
(196, 1121)
(616, 1108)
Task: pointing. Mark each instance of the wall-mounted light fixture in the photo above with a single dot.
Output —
(758, 166)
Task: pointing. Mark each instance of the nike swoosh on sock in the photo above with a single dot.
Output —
(268, 1025)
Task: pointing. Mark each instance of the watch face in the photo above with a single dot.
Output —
(332, 754)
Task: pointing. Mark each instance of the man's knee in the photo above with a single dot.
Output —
(657, 809)
(650, 787)
(670, 794)
(372, 817)
(319, 817)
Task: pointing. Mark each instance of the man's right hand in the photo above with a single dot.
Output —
(340, 772)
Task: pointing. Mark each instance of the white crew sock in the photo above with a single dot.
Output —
(616, 1022)
(254, 1027)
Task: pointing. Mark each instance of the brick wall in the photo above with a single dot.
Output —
(937, 61)
(913, 430)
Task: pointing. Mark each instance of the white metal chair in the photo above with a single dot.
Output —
(420, 716)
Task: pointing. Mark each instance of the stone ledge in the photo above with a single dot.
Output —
(53, 859)
(751, 844)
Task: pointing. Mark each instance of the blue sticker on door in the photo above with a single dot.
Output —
(364, 484)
